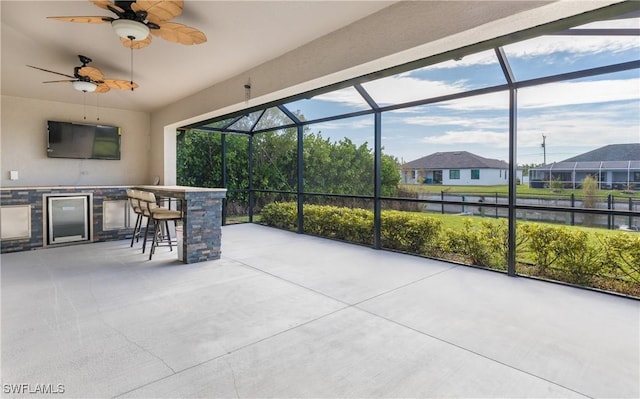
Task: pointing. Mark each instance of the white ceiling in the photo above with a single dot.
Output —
(241, 35)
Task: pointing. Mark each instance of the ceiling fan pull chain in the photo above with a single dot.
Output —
(97, 108)
(247, 91)
(84, 105)
(131, 40)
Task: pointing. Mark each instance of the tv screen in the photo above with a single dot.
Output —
(75, 140)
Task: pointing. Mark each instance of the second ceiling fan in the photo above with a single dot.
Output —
(89, 79)
(136, 19)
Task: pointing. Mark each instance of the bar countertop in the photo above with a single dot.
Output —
(181, 188)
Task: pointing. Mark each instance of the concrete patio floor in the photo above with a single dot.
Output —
(287, 315)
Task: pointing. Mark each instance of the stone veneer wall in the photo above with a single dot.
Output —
(33, 197)
(202, 221)
(203, 217)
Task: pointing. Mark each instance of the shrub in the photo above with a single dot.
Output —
(280, 214)
(556, 185)
(622, 254)
(483, 244)
(542, 242)
(409, 232)
(562, 253)
(579, 261)
(400, 230)
(354, 225)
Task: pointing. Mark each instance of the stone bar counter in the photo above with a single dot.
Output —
(202, 219)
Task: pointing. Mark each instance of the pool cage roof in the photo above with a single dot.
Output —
(621, 20)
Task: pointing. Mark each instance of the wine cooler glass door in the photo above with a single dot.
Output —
(68, 217)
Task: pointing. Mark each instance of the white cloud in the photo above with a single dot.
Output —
(594, 128)
(348, 96)
(569, 132)
(401, 89)
(476, 122)
(491, 101)
(404, 89)
(487, 57)
(396, 89)
(623, 23)
(554, 95)
(577, 45)
(574, 93)
(494, 139)
(345, 125)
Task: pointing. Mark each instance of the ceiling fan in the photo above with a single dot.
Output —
(135, 19)
(90, 79)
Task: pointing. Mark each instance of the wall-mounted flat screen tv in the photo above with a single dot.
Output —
(75, 140)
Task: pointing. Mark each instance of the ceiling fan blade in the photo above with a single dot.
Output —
(84, 19)
(162, 10)
(136, 44)
(92, 73)
(60, 81)
(179, 33)
(108, 5)
(120, 84)
(101, 88)
(57, 73)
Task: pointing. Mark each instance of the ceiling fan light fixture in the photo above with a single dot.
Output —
(81, 85)
(129, 29)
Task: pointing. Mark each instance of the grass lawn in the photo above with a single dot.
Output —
(503, 190)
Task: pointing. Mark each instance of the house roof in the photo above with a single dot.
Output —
(591, 166)
(611, 152)
(610, 157)
(455, 160)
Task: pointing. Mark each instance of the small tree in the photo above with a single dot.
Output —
(556, 185)
(590, 188)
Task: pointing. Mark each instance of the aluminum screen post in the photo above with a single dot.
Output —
(251, 192)
(513, 160)
(300, 188)
(377, 185)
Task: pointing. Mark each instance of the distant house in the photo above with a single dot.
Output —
(614, 166)
(456, 168)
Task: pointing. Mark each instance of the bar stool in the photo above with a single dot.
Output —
(135, 205)
(160, 217)
(147, 201)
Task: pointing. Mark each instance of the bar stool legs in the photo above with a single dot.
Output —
(160, 234)
(146, 234)
(134, 201)
(136, 229)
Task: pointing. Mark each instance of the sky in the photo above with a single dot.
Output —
(574, 116)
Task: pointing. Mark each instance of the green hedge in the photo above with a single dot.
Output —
(482, 244)
(610, 261)
(404, 231)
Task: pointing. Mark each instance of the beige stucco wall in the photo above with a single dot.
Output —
(23, 141)
(401, 33)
